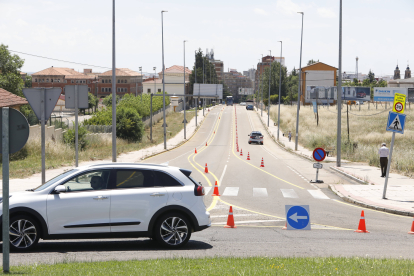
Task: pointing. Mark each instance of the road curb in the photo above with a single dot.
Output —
(370, 206)
(349, 176)
(179, 144)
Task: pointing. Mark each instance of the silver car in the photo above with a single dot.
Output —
(256, 137)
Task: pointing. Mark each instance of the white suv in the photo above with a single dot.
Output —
(115, 200)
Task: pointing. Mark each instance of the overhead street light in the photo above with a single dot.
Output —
(268, 102)
(339, 91)
(300, 75)
(280, 89)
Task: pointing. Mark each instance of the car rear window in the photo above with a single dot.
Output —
(164, 180)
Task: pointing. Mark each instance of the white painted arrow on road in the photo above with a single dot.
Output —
(295, 217)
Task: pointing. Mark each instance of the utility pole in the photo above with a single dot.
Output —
(339, 91)
(268, 102)
(195, 81)
(280, 90)
(163, 80)
(299, 86)
(184, 94)
(140, 69)
(113, 86)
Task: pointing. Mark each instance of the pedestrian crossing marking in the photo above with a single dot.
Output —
(396, 124)
(260, 192)
(318, 194)
(231, 191)
(289, 193)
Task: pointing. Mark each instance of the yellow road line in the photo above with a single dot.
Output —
(259, 167)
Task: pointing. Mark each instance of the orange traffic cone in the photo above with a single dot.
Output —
(284, 227)
(206, 169)
(361, 227)
(219, 118)
(248, 156)
(230, 219)
(262, 165)
(216, 191)
(241, 152)
(195, 151)
(214, 132)
(206, 144)
(412, 228)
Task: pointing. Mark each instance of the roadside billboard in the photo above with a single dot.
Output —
(323, 94)
(245, 91)
(352, 93)
(386, 94)
(208, 90)
(410, 95)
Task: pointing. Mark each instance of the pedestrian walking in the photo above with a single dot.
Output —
(290, 135)
(383, 153)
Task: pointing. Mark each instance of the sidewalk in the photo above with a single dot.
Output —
(400, 190)
(18, 185)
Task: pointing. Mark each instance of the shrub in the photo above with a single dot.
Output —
(129, 125)
(69, 137)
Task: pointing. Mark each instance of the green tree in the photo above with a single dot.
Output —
(28, 82)
(371, 76)
(210, 75)
(107, 101)
(310, 62)
(10, 66)
(274, 81)
(355, 82)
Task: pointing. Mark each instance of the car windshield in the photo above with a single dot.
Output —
(256, 133)
(54, 180)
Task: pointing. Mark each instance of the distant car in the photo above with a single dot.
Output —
(361, 95)
(359, 102)
(256, 137)
(249, 107)
(115, 200)
(243, 103)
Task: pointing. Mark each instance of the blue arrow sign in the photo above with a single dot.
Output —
(396, 122)
(297, 217)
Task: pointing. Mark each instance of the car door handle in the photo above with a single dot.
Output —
(100, 198)
(157, 194)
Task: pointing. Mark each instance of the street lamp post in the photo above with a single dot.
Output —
(113, 86)
(339, 92)
(268, 102)
(155, 84)
(280, 90)
(163, 80)
(140, 69)
(300, 75)
(185, 122)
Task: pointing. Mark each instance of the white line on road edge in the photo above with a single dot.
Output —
(222, 175)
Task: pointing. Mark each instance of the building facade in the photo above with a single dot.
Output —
(174, 81)
(265, 63)
(234, 80)
(99, 84)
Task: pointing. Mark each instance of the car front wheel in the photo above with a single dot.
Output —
(24, 233)
(172, 230)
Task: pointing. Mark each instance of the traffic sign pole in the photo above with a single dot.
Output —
(388, 167)
(76, 125)
(5, 159)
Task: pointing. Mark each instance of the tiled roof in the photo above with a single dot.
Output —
(56, 71)
(152, 81)
(8, 99)
(122, 72)
(177, 69)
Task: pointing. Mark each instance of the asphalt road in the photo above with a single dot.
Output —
(258, 196)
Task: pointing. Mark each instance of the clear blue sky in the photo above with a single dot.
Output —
(379, 32)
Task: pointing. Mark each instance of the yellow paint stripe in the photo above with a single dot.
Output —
(259, 167)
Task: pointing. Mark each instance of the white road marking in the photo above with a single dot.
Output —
(259, 192)
(231, 191)
(207, 189)
(222, 175)
(249, 221)
(318, 194)
(289, 193)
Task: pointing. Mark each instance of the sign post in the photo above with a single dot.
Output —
(42, 101)
(76, 97)
(14, 135)
(395, 124)
(319, 155)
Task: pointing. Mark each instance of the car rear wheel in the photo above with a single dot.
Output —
(24, 233)
(172, 230)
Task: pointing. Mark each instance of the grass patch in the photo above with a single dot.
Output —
(228, 266)
(59, 154)
(366, 133)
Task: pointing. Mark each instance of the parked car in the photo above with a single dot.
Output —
(249, 107)
(242, 103)
(361, 95)
(359, 102)
(116, 200)
(256, 137)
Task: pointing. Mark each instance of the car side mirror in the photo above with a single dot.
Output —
(60, 189)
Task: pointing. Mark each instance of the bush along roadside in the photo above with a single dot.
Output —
(69, 137)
